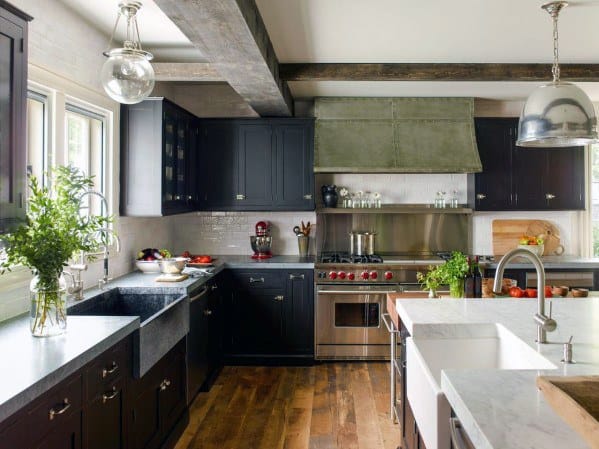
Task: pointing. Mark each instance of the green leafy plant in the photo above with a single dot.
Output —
(54, 230)
(452, 272)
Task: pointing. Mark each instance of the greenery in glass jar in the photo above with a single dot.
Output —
(54, 231)
(451, 273)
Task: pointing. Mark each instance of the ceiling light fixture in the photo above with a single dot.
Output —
(558, 114)
(127, 75)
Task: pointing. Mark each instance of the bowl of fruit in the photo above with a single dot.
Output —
(148, 259)
(532, 243)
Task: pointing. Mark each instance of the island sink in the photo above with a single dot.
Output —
(484, 346)
(163, 316)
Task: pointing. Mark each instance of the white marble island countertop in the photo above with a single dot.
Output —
(501, 409)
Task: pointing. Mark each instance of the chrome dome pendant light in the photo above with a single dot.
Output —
(127, 75)
(558, 114)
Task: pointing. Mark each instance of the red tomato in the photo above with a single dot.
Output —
(205, 259)
(516, 292)
(531, 292)
(186, 254)
(548, 291)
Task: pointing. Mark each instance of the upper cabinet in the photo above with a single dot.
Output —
(516, 178)
(13, 105)
(159, 150)
(256, 164)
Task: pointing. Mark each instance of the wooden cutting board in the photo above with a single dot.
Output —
(506, 234)
(576, 400)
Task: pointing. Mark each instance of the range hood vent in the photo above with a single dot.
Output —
(395, 135)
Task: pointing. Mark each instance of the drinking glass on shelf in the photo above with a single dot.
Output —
(366, 200)
(358, 199)
(440, 200)
(376, 196)
(454, 202)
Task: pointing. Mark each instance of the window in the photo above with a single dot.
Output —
(37, 134)
(84, 138)
(594, 149)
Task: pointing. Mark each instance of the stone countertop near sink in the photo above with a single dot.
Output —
(550, 262)
(33, 365)
(504, 408)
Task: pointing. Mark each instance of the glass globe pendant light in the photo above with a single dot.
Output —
(557, 114)
(127, 75)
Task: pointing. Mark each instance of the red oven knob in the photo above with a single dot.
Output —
(388, 275)
(351, 276)
(332, 275)
(373, 275)
(341, 275)
(364, 275)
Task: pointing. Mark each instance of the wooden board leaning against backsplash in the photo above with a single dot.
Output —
(507, 233)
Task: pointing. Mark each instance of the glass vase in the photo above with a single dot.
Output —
(48, 315)
(456, 288)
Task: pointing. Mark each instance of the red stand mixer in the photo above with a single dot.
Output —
(261, 242)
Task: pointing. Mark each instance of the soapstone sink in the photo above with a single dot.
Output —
(164, 319)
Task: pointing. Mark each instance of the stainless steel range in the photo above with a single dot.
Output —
(351, 296)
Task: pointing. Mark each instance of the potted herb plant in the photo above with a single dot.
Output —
(452, 273)
(54, 230)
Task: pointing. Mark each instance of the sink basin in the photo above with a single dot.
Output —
(467, 346)
(163, 315)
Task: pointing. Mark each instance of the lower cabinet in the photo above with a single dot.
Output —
(271, 315)
(158, 400)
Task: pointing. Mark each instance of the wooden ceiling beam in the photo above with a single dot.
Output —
(233, 37)
(186, 71)
(434, 72)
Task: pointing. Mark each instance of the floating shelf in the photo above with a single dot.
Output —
(395, 209)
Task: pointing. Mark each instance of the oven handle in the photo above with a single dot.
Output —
(389, 324)
(355, 292)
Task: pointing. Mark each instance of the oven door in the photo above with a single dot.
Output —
(352, 315)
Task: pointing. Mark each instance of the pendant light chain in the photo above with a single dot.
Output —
(555, 69)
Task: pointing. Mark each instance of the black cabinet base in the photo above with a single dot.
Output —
(270, 360)
(177, 431)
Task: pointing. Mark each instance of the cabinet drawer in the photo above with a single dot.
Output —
(56, 407)
(107, 367)
(264, 279)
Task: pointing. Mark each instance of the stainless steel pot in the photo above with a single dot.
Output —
(361, 243)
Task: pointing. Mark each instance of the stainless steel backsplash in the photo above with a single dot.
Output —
(401, 233)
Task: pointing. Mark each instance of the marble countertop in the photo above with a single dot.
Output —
(550, 262)
(503, 408)
(33, 365)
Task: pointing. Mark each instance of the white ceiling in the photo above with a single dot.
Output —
(466, 31)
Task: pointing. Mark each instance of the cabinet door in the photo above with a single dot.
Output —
(294, 173)
(173, 388)
(217, 166)
(530, 172)
(299, 313)
(493, 186)
(410, 430)
(103, 419)
(215, 337)
(144, 419)
(565, 179)
(197, 343)
(257, 321)
(67, 435)
(13, 80)
(255, 167)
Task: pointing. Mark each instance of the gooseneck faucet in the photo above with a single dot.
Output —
(544, 323)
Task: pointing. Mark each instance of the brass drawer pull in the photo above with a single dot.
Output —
(65, 406)
(165, 384)
(107, 397)
(296, 276)
(279, 298)
(107, 371)
(256, 280)
(240, 197)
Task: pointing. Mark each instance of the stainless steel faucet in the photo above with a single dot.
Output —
(544, 323)
(107, 232)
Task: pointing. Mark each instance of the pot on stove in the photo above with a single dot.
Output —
(361, 243)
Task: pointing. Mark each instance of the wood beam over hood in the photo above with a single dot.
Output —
(435, 72)
(186, 71)
(233, 37)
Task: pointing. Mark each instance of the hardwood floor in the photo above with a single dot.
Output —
(327, 406)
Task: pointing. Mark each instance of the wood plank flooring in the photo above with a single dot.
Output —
(327, 406)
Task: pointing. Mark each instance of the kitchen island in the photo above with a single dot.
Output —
(503, 408)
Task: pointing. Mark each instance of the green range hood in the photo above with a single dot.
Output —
(395, 135)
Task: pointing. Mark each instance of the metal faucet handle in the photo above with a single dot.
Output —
(78, 267)
(102, 282)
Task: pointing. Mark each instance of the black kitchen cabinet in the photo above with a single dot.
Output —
(516, 178)
(259, 164)
(272, 315)
(13, 107)
(158, 401)
(159, 146)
